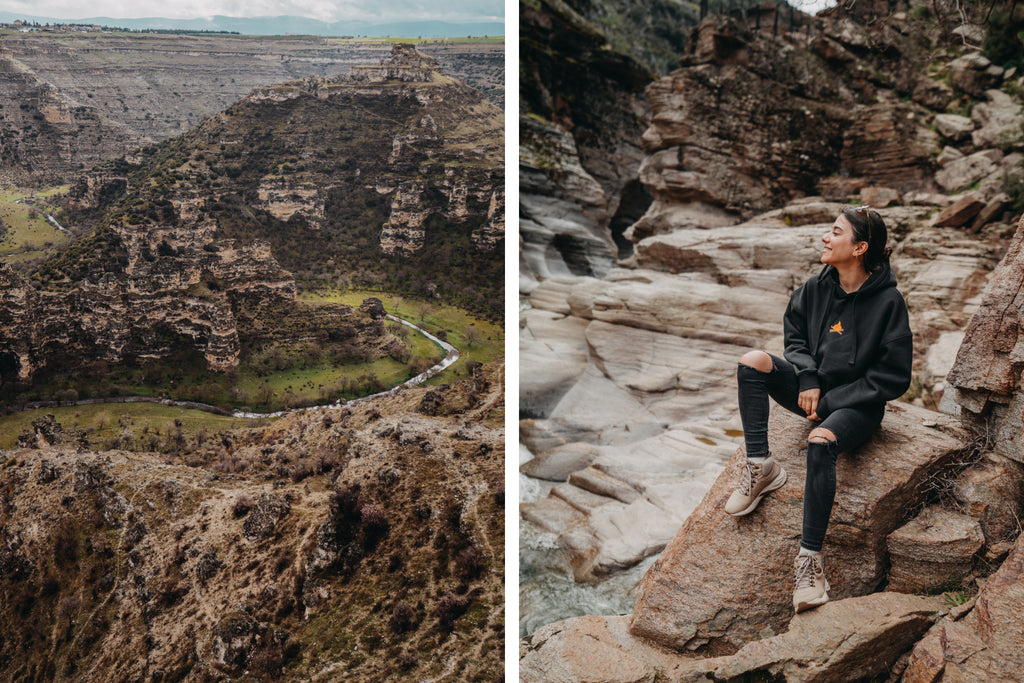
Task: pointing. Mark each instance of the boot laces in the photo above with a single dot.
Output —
(806, 570)
(749, 476)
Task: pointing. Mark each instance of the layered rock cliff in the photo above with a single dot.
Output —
(390, 175)
(72, 101)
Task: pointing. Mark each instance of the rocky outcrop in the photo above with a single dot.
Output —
(987, 373)
(691, 597)
(934, 551)
(986, 643)
(404, 63)
(845, 640)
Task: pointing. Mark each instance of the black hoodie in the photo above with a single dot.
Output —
(857, 347)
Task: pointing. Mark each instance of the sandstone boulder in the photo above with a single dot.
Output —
(844, 640)
(961, 212)
(702, 593)
(974, 74)
(985, 645)
(998, 120)
(947, 155)
(954, 127)
(880, 197)
(959, 174)
(933, 552)
(992, 492)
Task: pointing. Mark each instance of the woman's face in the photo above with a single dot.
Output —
(841, 248)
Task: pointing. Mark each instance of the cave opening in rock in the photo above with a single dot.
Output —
(573, 252)
(633, 203)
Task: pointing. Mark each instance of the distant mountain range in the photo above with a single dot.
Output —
(283, 25)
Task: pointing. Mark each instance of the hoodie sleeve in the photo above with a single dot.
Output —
(798, 348)
(887, 378)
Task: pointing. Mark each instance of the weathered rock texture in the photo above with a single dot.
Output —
(986, 644)
(845, 640)
(392, 182)
(987, 373)
(933, 552)
(90, 98)
(702, 593)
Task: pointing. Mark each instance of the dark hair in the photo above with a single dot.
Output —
(869, 227)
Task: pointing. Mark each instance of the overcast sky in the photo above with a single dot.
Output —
(324, 10)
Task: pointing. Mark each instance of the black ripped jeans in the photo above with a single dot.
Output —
(852, 427)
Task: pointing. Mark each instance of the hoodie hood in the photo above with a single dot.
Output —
(879, 279)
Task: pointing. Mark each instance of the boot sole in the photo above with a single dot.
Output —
(810, 604)
(777, 483)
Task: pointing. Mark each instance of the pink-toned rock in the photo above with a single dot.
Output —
(992, 492)
(880, 197)
(844, 640)
(959, 174)
(593, 649)
(933, 551)
(960, 212)
(992, 211)
(986, 375)
(723, 581)
(985, 645)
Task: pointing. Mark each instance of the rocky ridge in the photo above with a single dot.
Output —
(362, 542)
(382, 170)
(120, 91)
(632, 437)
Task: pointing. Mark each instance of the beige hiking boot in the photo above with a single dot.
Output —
(811, 585)
(757, 482)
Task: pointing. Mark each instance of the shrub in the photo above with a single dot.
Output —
(243, 504)
(375, 523)
(403, 617)
(449, 608)
(469, 562)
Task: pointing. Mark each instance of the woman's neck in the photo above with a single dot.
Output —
(852, 276)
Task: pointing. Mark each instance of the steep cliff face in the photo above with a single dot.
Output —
(72, 101)
(393, 174)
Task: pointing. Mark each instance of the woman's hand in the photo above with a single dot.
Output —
(808, 402)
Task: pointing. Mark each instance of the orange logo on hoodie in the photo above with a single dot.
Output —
(838, 327)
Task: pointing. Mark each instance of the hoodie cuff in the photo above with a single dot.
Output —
(808, 380)
(823, 410)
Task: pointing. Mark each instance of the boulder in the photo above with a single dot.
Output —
(594, 649)
(934, 95)
(998, 121)
(702, 593)
(985, 645)
(554, 347)
(986, 375)
(844, 640)
(961, 212)
(974, 74)
(933, 552)
(959, 174)
(992, 492)
(991, 212)
(954, 127)
(880, 197)
(947, 155)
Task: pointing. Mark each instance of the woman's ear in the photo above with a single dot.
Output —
(860, 249)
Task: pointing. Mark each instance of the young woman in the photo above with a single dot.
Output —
(848, 350)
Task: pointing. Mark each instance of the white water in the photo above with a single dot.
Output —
(547, 590)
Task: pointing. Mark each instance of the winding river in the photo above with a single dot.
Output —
(451, 355)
